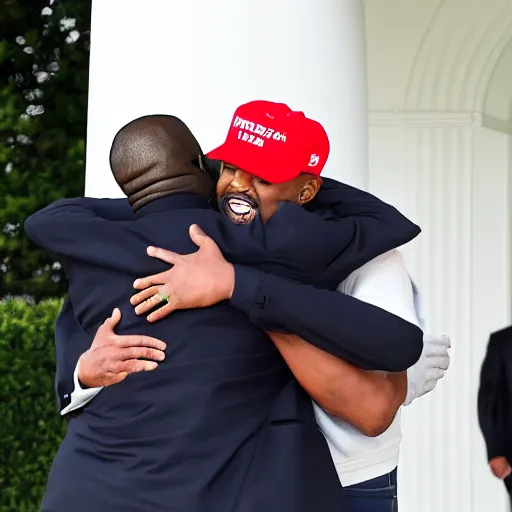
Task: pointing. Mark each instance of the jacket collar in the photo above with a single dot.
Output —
(172, 202)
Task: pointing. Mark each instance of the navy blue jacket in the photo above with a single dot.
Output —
(221, 425)
(495, 396)
(386, 343)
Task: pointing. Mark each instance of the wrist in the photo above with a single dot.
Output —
(84, 380)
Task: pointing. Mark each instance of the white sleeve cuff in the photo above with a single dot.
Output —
(79, 397)
(431, 367)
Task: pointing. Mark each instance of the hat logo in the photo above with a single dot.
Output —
(314, 160)
(255, 133)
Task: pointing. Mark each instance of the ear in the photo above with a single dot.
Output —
(310, 189)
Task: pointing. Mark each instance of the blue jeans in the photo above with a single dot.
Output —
(377, 495)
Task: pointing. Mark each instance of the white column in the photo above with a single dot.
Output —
(200, 59)
(452, 177)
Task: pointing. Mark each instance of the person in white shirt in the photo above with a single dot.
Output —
(367, 462)
(357, 410)
(364, 447)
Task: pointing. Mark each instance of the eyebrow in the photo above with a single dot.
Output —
(234, 168)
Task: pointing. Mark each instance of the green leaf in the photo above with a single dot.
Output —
(44, 154)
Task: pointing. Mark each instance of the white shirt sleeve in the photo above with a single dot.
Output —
(79, 397)
(434, 360)
(385, 283)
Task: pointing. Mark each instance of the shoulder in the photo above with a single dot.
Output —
(391, 264)
(385, 283)
(501, 337)
(502, 333)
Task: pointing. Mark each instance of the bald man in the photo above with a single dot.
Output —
(221, 425)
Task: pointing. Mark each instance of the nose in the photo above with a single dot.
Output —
(242, 181)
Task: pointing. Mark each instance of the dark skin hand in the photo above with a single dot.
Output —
(196, 280)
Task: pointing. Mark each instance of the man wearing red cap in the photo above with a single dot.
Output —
(273, 154)
(221, 425)
(277, 146)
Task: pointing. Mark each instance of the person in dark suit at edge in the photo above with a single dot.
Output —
(88, 304)
(495, 405)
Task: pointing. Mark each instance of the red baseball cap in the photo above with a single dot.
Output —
(274, 143)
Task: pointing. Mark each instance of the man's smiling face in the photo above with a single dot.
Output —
(242, 196)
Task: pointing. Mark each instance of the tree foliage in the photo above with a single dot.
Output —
(44, 60)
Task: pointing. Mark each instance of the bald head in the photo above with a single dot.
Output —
(155, 156)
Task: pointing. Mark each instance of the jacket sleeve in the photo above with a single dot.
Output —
(71, 341)
(80, 397)
(73, 228)
(358, 332)
(492, 401)
(371, 226)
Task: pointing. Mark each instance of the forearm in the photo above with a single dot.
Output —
(70, 342)
(375, 226)
(359, 333)
(367, 400)
(72, 229)
(64, 226)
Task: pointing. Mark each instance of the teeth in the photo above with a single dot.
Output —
(239, 207)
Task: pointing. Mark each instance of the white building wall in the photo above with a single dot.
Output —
(452, 178)
(200, 59)
(439, 75)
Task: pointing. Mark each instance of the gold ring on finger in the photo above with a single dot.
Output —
(163, 298)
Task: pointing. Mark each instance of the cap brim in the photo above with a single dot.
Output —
(217, 153)
(266, 172)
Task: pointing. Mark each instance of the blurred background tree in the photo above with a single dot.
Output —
(31, 428)
(44, 62)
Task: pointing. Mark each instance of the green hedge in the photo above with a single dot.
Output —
(30, 426)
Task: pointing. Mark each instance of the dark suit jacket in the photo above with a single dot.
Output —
(383, 342)
(495, 395)
(221, 425)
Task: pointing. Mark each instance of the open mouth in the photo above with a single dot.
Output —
(239, 208)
